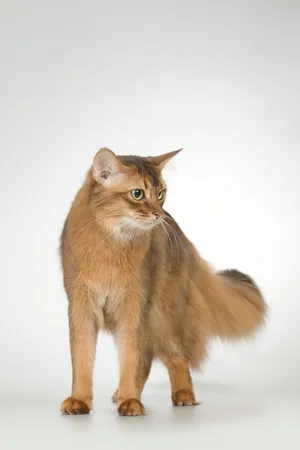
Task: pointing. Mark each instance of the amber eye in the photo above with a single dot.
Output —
(137, 194)
(161, 195)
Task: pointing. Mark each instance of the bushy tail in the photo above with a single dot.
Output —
(236, 306)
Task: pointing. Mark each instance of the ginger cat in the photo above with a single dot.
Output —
(129, 269)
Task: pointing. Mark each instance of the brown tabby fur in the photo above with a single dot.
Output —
(147, 285)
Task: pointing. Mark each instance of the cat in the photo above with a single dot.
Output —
(130, 270)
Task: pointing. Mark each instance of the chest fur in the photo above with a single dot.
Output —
(112, 290)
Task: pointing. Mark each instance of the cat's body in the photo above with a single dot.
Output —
(130, 270)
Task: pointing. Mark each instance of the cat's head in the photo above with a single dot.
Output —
(129, 191)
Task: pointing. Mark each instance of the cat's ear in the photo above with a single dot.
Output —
(161, 160)
(107, 168)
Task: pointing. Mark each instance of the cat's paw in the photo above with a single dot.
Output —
(115, 396)
(184, 397)
(131, 407)
(71, 406)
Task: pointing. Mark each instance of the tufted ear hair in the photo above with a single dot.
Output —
(108, 169)
(161, 160)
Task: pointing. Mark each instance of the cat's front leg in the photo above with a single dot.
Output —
(83, 337)
(144, 367)
(128, 402)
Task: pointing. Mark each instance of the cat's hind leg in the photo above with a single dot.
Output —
(182, 392)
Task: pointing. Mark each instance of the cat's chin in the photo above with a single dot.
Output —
(140, 225)
(144, 226)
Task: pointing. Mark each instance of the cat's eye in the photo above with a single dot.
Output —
(137, 194)
(161, 195)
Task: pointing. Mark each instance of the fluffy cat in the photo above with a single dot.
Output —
(129, 269)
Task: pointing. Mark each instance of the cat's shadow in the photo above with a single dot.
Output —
(207, 386)
(217, 402)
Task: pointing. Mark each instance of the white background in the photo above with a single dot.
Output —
(221, 80)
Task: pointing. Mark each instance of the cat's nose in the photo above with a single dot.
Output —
(156, 215)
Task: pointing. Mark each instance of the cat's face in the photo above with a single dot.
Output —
(130, 192)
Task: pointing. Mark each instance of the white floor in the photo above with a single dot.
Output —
(228, 418)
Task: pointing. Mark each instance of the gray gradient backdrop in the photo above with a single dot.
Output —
(218, 78)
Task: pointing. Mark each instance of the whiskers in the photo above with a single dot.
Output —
(122, 237)
(80, 234)
(126, 235)
(172, 235)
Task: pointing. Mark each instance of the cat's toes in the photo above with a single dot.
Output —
(71, 406)
(184, 397)
(115, 396)
(131, 407)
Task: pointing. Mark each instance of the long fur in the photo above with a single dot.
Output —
(148, 287)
